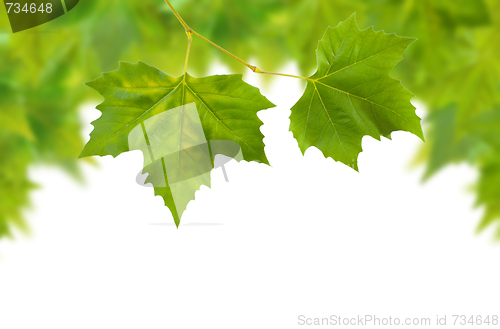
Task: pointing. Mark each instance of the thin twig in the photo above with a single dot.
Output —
(186, 27)
(190, 32)
(251, 67)
(190, 40)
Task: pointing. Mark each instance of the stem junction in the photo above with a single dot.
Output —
(190, 32)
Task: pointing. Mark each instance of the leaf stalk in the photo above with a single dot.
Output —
(186, 27)
(190, 40)
(190, 32)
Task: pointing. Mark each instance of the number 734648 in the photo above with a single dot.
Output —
(31, 8)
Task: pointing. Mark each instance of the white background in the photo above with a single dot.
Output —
(307, 236)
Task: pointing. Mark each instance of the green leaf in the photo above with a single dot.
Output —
(477, 143)
(351, 95)
(452, 142)
(463, 12)
(488, 189)
(442, 146)
(14, 183)
(170, 120)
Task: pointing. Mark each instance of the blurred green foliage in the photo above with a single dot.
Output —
(454, 68)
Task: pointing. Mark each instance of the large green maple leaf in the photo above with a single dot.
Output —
(176, 122)
(351, 95)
